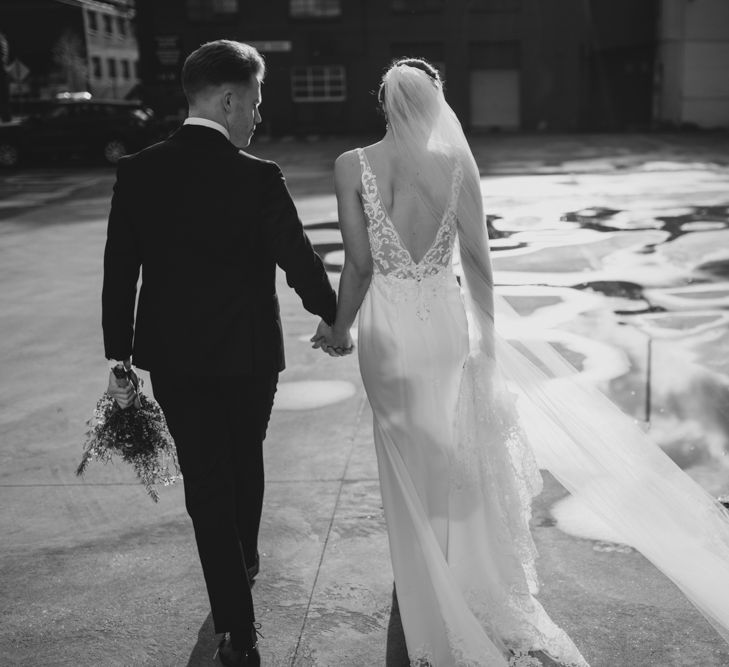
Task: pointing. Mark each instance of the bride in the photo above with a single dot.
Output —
(460, 410)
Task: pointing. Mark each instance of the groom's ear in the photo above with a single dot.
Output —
(227, 100)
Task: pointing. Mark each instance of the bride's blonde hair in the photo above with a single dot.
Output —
(415, 66)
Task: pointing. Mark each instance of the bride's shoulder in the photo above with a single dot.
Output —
(351, 155)
(347, 166)
(351, 160)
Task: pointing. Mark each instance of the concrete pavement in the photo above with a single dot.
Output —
(93, 573)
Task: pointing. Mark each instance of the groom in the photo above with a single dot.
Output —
(207, 224)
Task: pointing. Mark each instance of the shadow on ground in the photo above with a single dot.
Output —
(396, 654)
(205, 647)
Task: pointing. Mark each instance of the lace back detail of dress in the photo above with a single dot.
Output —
(392, 262)
(389, 254)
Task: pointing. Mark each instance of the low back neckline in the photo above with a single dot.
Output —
(364, 161)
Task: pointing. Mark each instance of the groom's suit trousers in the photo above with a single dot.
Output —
(219, 425)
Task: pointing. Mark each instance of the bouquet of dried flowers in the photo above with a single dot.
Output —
(138, 434)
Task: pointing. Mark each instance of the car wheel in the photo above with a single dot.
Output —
(9, 155)
(114, 150)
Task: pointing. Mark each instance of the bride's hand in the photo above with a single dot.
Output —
(339, 343)
(334, 343)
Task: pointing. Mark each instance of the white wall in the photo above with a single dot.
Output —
(706, 19)
(694, 59)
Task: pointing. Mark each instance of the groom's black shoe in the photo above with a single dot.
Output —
(233, 653)
(253, 569)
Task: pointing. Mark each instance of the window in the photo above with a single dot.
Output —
(57, 113)
(121, 26)
(96, 67)
(318, 83)
(111, 65)
(225, 6)
(204, 10)
(315, 8)
(93, 21)
(126, 70)
(108, 27)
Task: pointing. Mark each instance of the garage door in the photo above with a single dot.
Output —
(495, 98)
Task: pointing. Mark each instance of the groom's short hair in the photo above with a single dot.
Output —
(219, 62)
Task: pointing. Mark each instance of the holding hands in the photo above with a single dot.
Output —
(335, 343)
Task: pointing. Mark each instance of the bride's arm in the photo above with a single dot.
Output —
(476, 258)
(357, 269)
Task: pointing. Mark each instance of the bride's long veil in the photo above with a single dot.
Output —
(592, 448)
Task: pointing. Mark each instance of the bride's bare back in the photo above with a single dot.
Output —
(415, 222)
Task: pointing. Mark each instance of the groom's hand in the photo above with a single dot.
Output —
(122, 391)
(323, 331)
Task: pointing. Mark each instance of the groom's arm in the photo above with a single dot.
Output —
(122, 259)
(289, 245)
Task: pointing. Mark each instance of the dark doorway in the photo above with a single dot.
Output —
(619, 88)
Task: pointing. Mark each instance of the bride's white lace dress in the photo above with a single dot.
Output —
(456, 479)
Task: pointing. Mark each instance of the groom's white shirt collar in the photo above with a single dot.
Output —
(194, 120)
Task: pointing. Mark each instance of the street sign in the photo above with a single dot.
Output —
(168, 50)
(17, 71)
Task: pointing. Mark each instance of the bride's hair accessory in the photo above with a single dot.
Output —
(414, 63)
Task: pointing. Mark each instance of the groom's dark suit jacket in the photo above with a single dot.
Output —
(208, 224)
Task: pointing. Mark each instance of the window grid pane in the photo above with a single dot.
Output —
(318, 84)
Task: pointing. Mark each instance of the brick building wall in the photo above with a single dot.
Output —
(508, 64)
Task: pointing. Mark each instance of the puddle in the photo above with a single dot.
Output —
(673, 325)
(308, 395)
(691, 297)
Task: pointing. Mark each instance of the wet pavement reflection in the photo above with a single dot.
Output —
(628, 277)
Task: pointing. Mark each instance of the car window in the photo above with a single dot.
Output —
(116, 111)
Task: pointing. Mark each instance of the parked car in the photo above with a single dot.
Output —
(99, 129)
